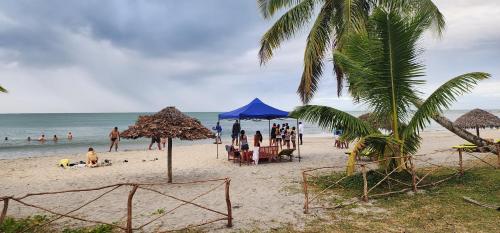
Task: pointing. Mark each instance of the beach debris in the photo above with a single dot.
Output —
(470, 200)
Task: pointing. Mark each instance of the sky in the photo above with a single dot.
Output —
(198, 55)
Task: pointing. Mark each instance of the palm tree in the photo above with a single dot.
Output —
(334, 20)
(383, 72)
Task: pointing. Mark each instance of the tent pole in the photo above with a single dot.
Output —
(297, 137)
(269, 127)
(217, 142)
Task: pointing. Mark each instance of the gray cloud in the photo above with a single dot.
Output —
(88, 56)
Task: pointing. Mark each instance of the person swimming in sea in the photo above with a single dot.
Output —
(55, 138)
(42, 138)
(114, 137)
(70, 136)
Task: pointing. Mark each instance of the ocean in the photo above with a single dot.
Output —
(92, 129)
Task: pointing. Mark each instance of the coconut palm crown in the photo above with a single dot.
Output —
(334, 21)
(383, 72)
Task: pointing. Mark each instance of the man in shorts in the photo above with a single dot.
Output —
(114, 137)
(155, 139)
(235, 133)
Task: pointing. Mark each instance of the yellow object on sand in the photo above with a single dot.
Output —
(465, 146)
(350, 163)
(64, 162)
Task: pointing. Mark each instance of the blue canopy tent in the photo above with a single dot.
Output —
(256, 110)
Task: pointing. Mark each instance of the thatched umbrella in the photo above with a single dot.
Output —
(370, 119)
(168, 123)
(477, 118)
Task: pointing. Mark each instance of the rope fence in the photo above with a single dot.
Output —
(388, 178)
(226, 215)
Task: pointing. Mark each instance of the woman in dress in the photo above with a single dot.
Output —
(257, 140)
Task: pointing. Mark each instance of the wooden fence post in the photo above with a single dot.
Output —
(228, 203)
(306, 193)
(4, 210)
(460, 163)
(413, 175)
(365, 183)
(129, 208)
(498, 154)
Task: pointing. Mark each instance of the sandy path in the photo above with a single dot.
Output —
(262, 196)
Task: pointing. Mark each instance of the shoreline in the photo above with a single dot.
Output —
(136, 146)
(268, 191)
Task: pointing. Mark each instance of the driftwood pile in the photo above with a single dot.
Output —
(168, 123)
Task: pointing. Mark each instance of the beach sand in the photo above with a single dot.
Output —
(262, 196)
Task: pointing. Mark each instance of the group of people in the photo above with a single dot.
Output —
(339, 143)
(114, 137)
(43, 139)
(282, 135)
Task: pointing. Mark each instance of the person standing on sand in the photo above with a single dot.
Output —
(273, 135)
(114, 136)
(155, 139)
(163, 142)
(70, 136)
(235, 133)
(301, 131)
(218, 131)
(257, 139)
(293, 137)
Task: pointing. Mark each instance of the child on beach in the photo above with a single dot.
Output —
(91, 158)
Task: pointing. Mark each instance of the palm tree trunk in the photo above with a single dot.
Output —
(446, 123)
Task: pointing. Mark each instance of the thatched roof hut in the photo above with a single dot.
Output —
(168, 123)
(368, 117)
(478, 118)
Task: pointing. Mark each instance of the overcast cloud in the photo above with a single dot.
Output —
(127, 56)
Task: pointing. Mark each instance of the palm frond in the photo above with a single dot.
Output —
(269, 7)
(441, 99)
(285, 28)
(318, 43)
(330, 118)
(3, 89)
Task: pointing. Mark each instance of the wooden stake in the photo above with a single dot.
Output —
(413, 175)
(460, 161)
(365, 183)
(229, 207)
(4, 210)
(129, 208)
(169, 160)
(306, 194)
(498, 154)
